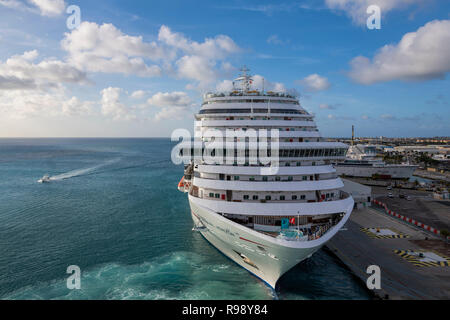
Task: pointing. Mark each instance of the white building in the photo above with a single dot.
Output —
(361, 194)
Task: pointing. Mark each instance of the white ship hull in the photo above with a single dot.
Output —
(266, 257)
(392, 171)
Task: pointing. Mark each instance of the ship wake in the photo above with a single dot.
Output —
(82, 172)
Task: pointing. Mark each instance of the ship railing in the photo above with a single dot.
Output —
(296, 235)
(343, 195)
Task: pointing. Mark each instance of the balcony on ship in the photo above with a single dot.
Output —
(289, 228)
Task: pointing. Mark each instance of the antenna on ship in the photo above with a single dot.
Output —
(245, 79)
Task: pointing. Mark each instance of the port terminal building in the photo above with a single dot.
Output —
(361, 194)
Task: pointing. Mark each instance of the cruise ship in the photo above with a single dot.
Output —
(267, 216)
(362, 162)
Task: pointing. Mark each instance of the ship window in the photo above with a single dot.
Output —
(277, 178)
(305, 178)
(252, 179)
(268, 198)
(236, 177)
(290, 178)
(282, 198)
(294, 197)
(217, 195)
(211, 195)
(265, 178)
(288, 164)
(246, 197)
(303, 197)
(255, 197)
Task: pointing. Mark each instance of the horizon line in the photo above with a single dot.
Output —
(168, 137)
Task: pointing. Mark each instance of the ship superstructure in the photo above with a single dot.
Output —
(267, 217)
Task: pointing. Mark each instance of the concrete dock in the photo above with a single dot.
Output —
(395, 248)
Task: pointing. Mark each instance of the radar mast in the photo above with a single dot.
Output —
(245, 80)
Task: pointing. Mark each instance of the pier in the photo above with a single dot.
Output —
(414, 264)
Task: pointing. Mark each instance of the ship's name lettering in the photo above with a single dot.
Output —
(227, 231)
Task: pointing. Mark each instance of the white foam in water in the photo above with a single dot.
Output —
(176, 276)
(81, 172)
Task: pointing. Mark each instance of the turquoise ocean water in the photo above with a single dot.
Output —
(114, 210)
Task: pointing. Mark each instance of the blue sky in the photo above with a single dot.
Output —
(139, 68)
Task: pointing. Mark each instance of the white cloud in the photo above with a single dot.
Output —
(15, 83)
(216, 48)
(387, 117)
(21, 72)
(52, 102)
(200, 61)
(21, 104)
(315, 83)
(138, 94)
(171, 113)
(259, 82)
(420, 55)
(75, 107)
(274, 39)
(170, 99)
(174, 105)
(104, 48)
(197, 68)
(325, 106)
(270, 9)
(30, 88)
(225, 86)
(340, 117)
(14, 4)
(49, 7)
(357, 9)
(111, 105)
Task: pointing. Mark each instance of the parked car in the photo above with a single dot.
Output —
(389, 188)
(408, 198)
(390, 195)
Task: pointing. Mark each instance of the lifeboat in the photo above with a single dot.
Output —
(181, 185)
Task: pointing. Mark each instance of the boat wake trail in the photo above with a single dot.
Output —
(81, 172)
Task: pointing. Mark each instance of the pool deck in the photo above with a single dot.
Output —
(400, 278)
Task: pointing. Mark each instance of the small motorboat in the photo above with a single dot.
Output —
(44, 179)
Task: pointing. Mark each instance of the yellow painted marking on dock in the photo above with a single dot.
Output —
(414, 259)
(391, 236)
